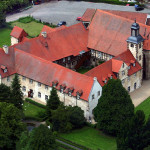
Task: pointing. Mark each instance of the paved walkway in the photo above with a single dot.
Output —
(139, 95)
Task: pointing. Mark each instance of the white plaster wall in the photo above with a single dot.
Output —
(14, 40)
(93, 102)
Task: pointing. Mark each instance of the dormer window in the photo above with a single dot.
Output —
(63, 59)
(110, 76)
(79, 93)
(62, 88)
(133, 64)
(70, 90)
(129, 67)
(54, 83)
(104, 80)
(4, 68)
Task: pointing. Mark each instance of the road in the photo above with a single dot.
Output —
(56, 11)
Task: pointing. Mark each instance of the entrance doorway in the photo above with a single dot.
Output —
(30, 93)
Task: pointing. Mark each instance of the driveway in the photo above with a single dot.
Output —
(139, 95)
(56, 11)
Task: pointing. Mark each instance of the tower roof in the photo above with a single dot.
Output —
(135, 26)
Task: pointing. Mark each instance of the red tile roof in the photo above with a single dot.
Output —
(59, 44)
(18, 32)
(140, 17)
(108, 32)
(88, 15)
(103, 71)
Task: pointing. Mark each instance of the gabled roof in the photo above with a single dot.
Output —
(18, 32)
(140, 17)
(59, 44)
(88, 15)
(105, 70)
(108, 32)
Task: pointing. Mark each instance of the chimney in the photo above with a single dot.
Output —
(95, 79)
(5, 48)
(44, 34)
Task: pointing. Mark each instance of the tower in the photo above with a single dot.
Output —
(135, 43)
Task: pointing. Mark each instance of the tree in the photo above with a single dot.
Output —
(41, 138)
(133, 134)
(76, 116)
(5, 93)
(17, 94)
(53, 102)
(60, 119)
(114, 107)
(2, 16)
(11, 126)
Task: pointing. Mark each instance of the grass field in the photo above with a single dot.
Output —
(5, 37)
(145, 106)
(32, 28)
(91, 138)
(83, 70)
(31, 110)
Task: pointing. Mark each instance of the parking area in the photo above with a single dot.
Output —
(68, 11)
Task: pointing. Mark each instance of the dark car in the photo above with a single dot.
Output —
(61, 23)
(138, 8)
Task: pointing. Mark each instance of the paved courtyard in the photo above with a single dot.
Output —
(56, 11)
(139, 95)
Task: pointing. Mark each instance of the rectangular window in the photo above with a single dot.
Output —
(129, 89)
(39, 94)
(68, 58)
(46, 97)
(63, 59)
(98, 93)
(8, 79)
(46, 87)
(140, 57)
(23, 78)
(39, 84)
(132, 45)
(23, 88)
(92, 96)
(140, 45)
(123, 73)
(30, 81)
(123, 81)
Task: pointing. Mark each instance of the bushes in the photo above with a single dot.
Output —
(35, 103)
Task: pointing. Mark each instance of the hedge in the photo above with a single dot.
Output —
(72, 143)
(35, 103)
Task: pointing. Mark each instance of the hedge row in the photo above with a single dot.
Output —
(33, 118)
(35, 103)
(64, 146)
(72, 143)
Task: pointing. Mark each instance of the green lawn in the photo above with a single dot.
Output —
(31, 110)
(91, 138)
(5, 37)
(32, 28)
(83, 70)
(145, 106)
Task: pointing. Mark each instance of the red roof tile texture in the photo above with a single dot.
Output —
(88, 15)
(140, 17)
(108, 33)
(111, 67)
(18, 33)
(59, 44)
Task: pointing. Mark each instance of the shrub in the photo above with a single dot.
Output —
(26, 19)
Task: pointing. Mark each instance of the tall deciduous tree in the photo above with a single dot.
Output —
(41, 138)
(114, 107)
(134, 133)
(17, 94)
(11, 126)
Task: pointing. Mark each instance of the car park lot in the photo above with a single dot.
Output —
(56, 11)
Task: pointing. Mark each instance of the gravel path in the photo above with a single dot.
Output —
(56, 11)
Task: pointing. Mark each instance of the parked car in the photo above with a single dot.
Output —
(138, 8)
(78, 19)
(61, 23)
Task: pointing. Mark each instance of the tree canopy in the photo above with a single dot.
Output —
(134, 133)
(40, 138)
(17, 94)
(114, 107)
(11, 126)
